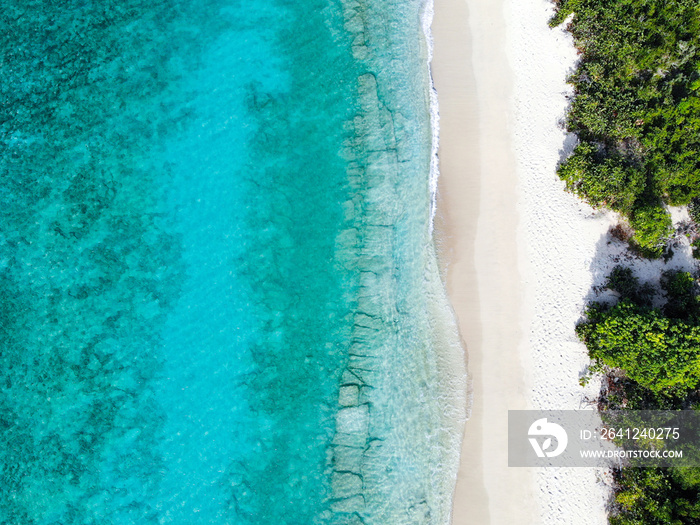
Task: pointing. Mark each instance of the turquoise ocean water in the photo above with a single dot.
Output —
(220, 302)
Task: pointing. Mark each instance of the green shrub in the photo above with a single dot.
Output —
(651, 496)
(694, 210)
(659, 353)
(636, 109)
(681, 295)
(623, 281)
(652, 226)
(636, 112)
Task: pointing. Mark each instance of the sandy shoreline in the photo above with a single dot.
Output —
(476, 223)
(519, 255)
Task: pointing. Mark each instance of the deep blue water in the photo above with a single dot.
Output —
(218, 285)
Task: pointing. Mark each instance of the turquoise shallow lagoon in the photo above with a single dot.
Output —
(220, 302)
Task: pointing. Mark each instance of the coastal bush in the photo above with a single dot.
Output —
(657, 349)
(608, 183)
(652, 225)
(620, 232)
(636, 109)
(682, 299)
(694, 210)
(623, 281)
(659, 353)
(652, 496)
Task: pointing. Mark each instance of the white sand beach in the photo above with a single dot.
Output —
(558, 243)
(520, 255)
(477, 219)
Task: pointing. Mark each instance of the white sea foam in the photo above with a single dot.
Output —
(426, 22)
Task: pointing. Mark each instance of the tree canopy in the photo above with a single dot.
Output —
(658, 352)
(636, 109)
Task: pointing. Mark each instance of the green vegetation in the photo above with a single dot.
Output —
(659, 353)
(657, 496)
(652, 356)
(659, 349)
(636, 110)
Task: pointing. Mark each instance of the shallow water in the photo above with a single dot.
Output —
(218, 284)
